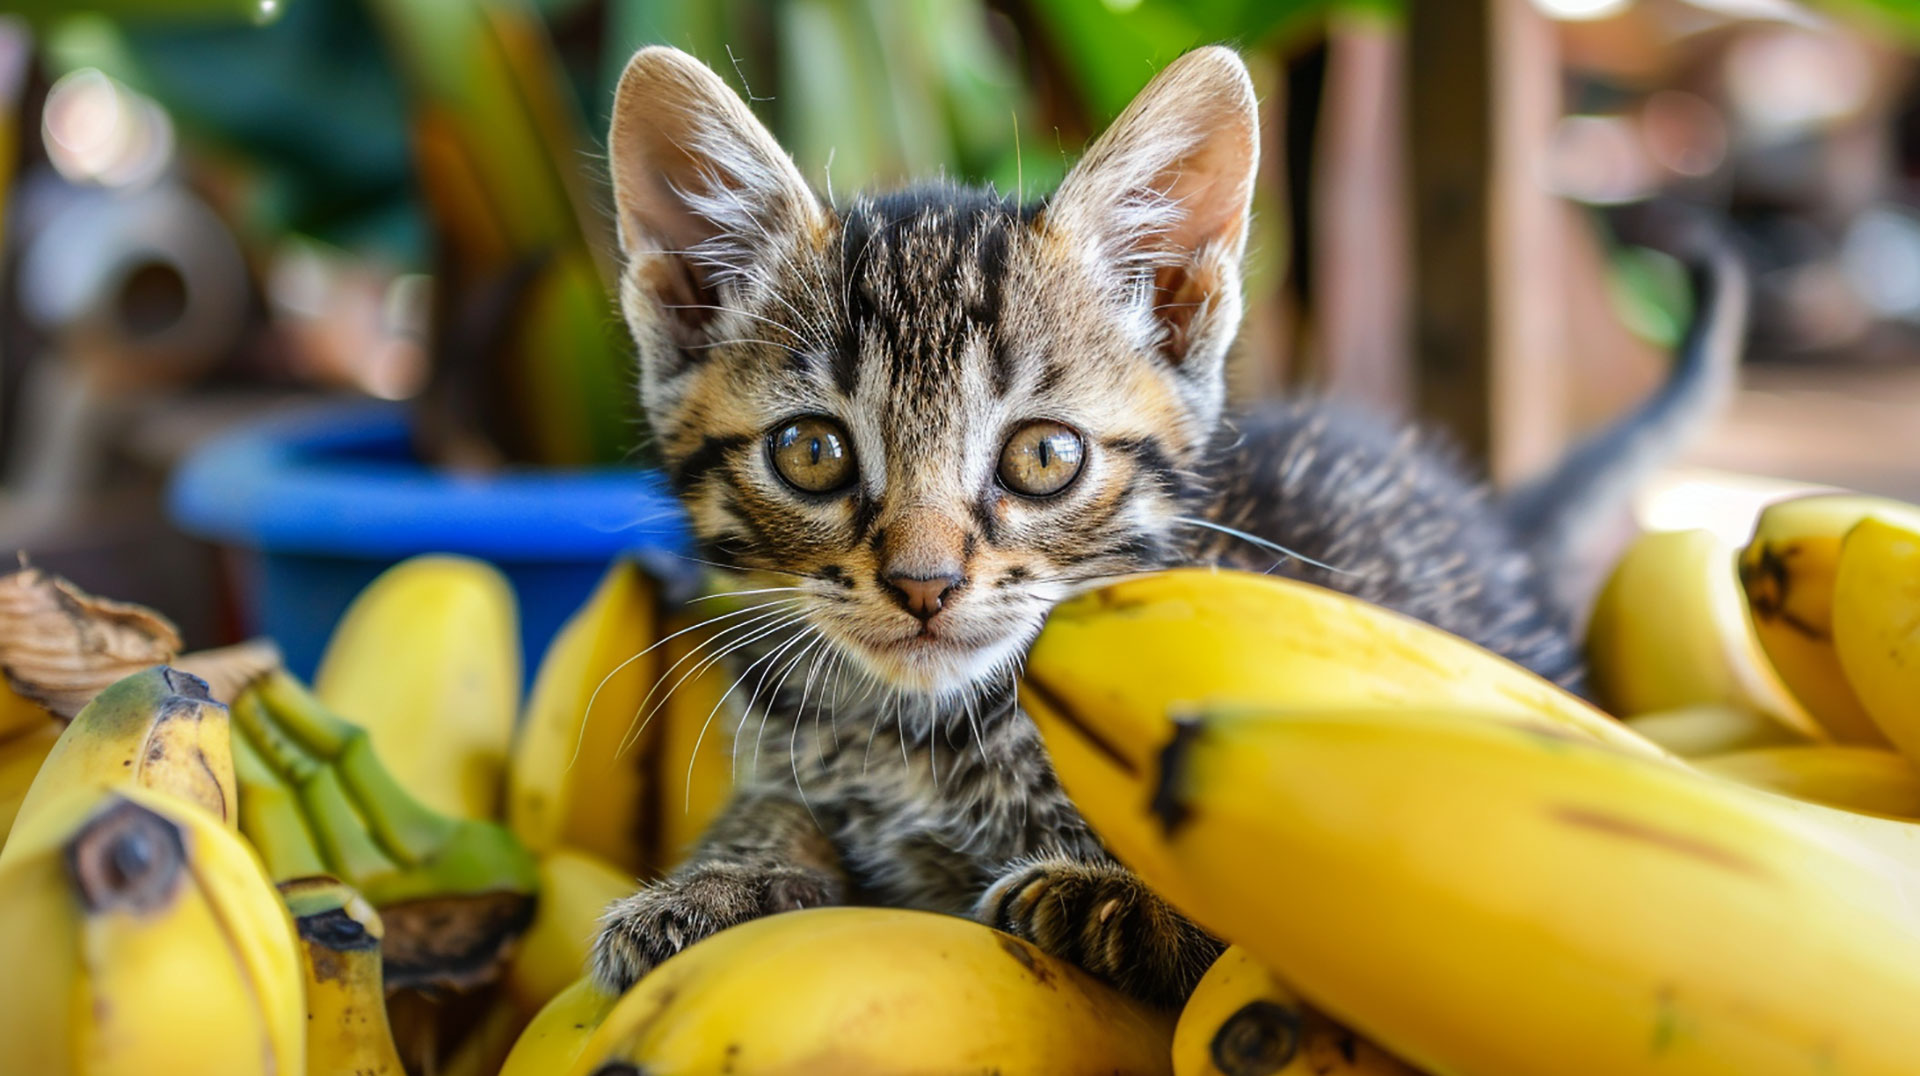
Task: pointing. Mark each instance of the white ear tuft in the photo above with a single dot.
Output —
(698, 183)
(1163, 197)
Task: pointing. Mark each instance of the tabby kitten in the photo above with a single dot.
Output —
(915, 423)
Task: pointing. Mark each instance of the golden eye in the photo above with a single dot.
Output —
(1041, 458)
(812, 454)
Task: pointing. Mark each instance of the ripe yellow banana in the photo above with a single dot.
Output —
(142, 937)
(575, 889)
(1876, 625)
(1184, 640)
(1714, 729)
(347, 1033)
(1505, 901)
(691, 751)
(572, 780)
(158, 729)
(1788, 572)
(20, 759)
(427, 659)
(872, 990)
(554, 1041)
(1242, 1020)
(1670, 629)
(1870, 779)
(19, 714)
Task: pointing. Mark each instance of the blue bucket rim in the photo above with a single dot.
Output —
(339, 479)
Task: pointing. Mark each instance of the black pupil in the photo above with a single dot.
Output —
(1046, 452)
(814, 448)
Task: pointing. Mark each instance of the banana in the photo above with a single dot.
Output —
(1876, 625)
(692, 751)
(453, 892)
(1869, 779)
(1243, 1021)
(347, 1033)
(20, 759)
(575, 888)
(158, 729)
(427, 659)
(1714, 729)
(872, 990)
(487, 1040)
(1788, 572)
(554, 1041)
(571, 780)
(1670, 629)
(1134, 651)
(19, 714)
(143, 938)
(1503, 900)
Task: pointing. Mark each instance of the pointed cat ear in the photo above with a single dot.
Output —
(1164, 195)
(699, 185)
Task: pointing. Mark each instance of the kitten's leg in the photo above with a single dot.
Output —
(764, 854)
(1103, 918)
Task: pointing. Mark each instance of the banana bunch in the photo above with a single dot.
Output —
(1461, 867)
(316, 798)
(851, 990)
(143, 937)
(1782, 664)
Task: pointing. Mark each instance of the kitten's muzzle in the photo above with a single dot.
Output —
(923, 596)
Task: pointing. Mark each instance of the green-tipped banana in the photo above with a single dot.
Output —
(454, 892)
(347, 1030)
(157, 729)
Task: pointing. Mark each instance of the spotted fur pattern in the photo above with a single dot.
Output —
(884, 759)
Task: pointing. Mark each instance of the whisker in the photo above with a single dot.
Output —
(1256, 540)
(770, 658)
(748, 626)
(651, 647)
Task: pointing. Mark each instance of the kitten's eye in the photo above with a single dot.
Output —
(812, 454)
(1041, 458)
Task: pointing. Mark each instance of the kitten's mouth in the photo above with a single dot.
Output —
(935, 659)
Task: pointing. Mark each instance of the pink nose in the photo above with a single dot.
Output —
(922, 597)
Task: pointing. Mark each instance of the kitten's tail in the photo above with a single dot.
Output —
(1571, 518)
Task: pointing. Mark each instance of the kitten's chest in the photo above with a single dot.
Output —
(924, 806)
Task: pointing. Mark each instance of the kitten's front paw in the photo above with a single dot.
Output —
(1104, 919)
(640, 931)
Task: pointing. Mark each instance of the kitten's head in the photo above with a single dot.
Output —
(935, 412)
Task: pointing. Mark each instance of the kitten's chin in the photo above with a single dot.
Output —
(939, 667)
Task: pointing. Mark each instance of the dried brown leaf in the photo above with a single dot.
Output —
(228, 670)
(60, 645)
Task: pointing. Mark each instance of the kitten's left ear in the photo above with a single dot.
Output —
(1166, 191)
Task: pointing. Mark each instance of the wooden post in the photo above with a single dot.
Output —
(1482, 101)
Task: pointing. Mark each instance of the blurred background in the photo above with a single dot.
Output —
(292, 288)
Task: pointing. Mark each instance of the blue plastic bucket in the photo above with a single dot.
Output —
(320, 502)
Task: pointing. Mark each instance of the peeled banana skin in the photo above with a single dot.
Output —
(154, 941)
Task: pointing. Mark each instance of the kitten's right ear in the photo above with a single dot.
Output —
(699, 186)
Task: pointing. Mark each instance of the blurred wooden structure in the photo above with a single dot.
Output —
(1488, 350)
